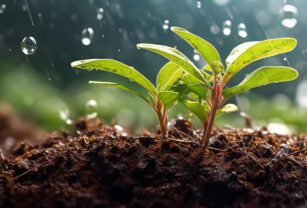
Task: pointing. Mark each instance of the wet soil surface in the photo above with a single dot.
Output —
(101, 166)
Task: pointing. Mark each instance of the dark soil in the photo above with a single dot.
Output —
(99, 166)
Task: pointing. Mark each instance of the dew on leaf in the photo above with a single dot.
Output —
(28, 45)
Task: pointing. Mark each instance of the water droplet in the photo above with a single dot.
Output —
(91, 109)
(221, 2)
(100, 13)
(28, 45)
(198, 4)
(166, 24)
(118, 127)
(64, 115)
(301, 94)
(242, 30)
(196, 56)
(227, 27)
(2, 8)
(288, 14)
(214, 29)
(87, 36)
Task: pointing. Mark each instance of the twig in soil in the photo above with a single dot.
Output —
(241, 139)
(250, 142)
(23, 174)
(296, 152)
(183, 133)
(183, 141)
(252, 158)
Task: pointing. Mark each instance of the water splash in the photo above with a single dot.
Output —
(87, 36)
(289, 15)
(64, 115)
(227, 27)
(28, 45)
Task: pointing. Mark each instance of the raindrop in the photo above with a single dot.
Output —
(100, 13)
(242, 30)
(166, 24)
(227, 27)
(221, 2)
(2, 8)
(301, 94)
(118, 127)
(87, 36)
(214, 29)
(198, 4)
(288, 14)
(64, 115)
(28, 45)
(196, 56)
(91, 109)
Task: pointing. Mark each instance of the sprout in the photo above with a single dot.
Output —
(160, 98)
(204, 91)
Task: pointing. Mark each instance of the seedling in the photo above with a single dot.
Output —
(160, 98)
(204, 91)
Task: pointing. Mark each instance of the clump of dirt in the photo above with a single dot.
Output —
(99, 166)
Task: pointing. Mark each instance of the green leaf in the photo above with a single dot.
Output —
(175, 56)
(203, 47)
(262, 76)
(116, 67)
(248, 52)
(200, 90)
(122, 87)
(199, 109)
(168, 75)
(228, 108)
(168, 98)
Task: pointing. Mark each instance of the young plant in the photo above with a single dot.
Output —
(204, 91)
(160, 98)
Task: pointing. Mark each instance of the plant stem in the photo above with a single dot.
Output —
(215, 99)
(162, 116)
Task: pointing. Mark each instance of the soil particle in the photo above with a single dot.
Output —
(95, 166)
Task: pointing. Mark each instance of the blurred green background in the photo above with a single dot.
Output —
(43, 88)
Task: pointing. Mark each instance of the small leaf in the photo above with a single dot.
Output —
(168, 75)
(228, 108)
(200, 90)
(200, 110)
(168, 98)
(116, 67)
(122, 87)
(175, 56)
(203, 47)
(262, 76)
(248, 52)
